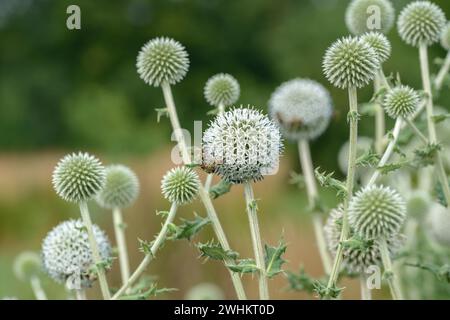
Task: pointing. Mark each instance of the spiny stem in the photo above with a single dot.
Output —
(439, 81)
(204, 195)
(353, 141)
(392, 278)
(380, 123)
(119, 229)
(80, 294)
(366, 293)
(313, 195)
(424, 67)
(149, 256)
(85, 216)
(256, 240)
(39, 293)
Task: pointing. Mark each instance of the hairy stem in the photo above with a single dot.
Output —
(366, 293)
(392, 278)
(36, 286)
(119, 229)
(256, 240)
(439, 81)
(353, 140)
(149, 256)
(424, 67)
(204, 195)
(380, 123)
(313, 195)
(85, 216)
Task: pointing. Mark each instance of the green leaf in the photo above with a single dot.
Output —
(390, 167)
(368, 159)
(327, 181)
(244, 266)
(161, 112)
(301, 281)
(189, 228)
(220, 189)
(273, 258)
(353, 116)
(357, 243)
(440, 117)
(145, 247)
(324, 292)
(212, 250)
(426, 156)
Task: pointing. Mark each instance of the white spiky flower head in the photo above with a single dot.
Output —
(180, 185)
(401, 101)
(205, 291)
(377, 212)
(350, 62)
(242, 145)
(363, 145)
(421, 22)
(78, 177)
(67, 257)
(380, 43)
(356, 260)
(302, 109)
(27, 265)
(370, 15)
(162, 60)
(445, 37)
(121, 188)
(222, 89)
(438, 221)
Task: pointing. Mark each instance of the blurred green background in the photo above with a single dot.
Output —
(67, 90)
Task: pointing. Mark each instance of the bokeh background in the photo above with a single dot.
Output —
(67, 90)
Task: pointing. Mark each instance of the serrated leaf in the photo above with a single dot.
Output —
(368, 159)
(426, 156)
(244, 266)
(440, 117)
(325, 292)
(273, 258)
(215, 251)
(390, 167)
(301, 281)
(145, 247)
(189, 228)
(152, 291)
(327, 181)
(220, 189)
(357, 243)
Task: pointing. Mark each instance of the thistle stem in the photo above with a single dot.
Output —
(80, 294)
(39, 293)
(209, 178)
(149, 256)
(424, 67)
(204, 195)
(85, 216)
(392, 278)
(439, 81)
(366, 293)
(353, 140)
(417, 131)
(380, 121)
(313, 195)
(256, 240)
(119, 229)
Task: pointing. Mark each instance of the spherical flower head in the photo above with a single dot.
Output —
(445, 37)
(350, 62)
(301, 108)
(27, 265)
(363, 145)
(205, 291)
(180, 185)
(356, 260)
(222, 89)
(78, 177)
(162, 60)
(377, 212)
(242, 145)
(380, 43)
(369, 15)
(67, 257)
(401, 101)
(421, 22)
(438, 221)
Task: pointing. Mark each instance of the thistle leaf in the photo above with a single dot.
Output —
(273, 258)
(189, 228)
(220, 189)
(301, 281)
(368, 159)
(327, 180)
(244, 266)
(212, 250)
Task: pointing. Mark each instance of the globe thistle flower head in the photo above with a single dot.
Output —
(369, 15)
(401, 101)
(180, 185)
(438, 221)
(356, 260)
(301, 108)
(67, 257)
(205, 291)
(162, 60)
(445, 37)
(27, 265)
(78, 177)
(121, 188)
(421, 22)
(380, 43)
(222, 89)
(350, 62)
(377, 212)
(241, 145)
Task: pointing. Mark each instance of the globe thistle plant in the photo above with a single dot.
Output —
(445, 37)
(180, 185)
(364, 145)
(162, 60)
(67, 257)
(380, 43)
(370, 15)
(302, 109)
(421, 23)
(222, 90)
(401, 102)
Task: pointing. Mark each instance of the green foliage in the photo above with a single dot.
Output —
(301, 282)
(213, 250)
(327, 181)
(244, 266)
(189, 228)
(146, 288)
(219, 189)
(273, 258)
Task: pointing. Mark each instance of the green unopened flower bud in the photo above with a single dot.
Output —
(180, 185)
(222, 89)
